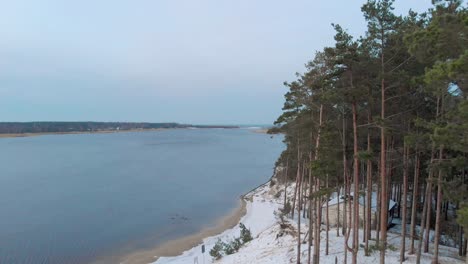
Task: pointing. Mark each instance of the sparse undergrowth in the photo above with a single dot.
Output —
(222, 248)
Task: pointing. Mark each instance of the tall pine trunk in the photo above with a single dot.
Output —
(345, 178)
(299, 219)
(356, 187)
(304, 191)
(435, 259)
(346, 211)
(405, 193)
(316, 257)
(309, 249)
(383, 163)
(423, 221)
(286, 184)
(338, 212)
(428, 217)
(297, 181)
(414, 201)
(327, 219)
(369, 193)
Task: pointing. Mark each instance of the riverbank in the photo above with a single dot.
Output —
(261, 131)
(178, 246)
(258, 217)
(15, 135)
(275, 238)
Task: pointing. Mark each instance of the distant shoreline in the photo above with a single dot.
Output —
(261, 131)
(19, 135)
(16, 135)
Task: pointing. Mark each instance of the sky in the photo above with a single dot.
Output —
(186, 61)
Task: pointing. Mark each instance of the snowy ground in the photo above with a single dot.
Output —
(268, 247)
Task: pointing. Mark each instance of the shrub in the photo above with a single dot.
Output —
(392, 247)
(236, 244)
(233, 246)
(245, 234)
(229, 248)
(215, 252)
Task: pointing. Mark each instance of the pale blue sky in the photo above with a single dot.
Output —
(188, 61)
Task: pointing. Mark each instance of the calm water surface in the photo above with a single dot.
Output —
(73, 198)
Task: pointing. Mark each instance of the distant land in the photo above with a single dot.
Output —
(37, 128)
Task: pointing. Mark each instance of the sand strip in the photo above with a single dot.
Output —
(13, 135)
(178, 246)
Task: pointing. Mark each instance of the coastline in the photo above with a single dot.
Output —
(19, 135)
(261, 131)
(275, 237)
(259, 216)
(178, 246)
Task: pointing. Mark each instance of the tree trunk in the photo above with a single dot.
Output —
(405, 192)
(383, 164)
(415, 200)
(346, 203)
(345, 178)
(377, 218)
(368, 196)
(309, 249)
(327, 221)
(316, 257)
(466, 246)
(348, 231)
(423, 222)
(297, 182)
(428, 218)
(299, 221)
(286, 184)
(356, 187)
(338, 212)
(318, 222)
(364, 203)
(435, 259)
(303, 193)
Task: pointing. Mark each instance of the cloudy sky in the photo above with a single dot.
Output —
(188, 61)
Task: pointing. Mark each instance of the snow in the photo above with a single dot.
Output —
(271, 245)
(362, 200)
(444, 239)
(258, 219)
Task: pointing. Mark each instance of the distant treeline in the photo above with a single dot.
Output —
(64, 127)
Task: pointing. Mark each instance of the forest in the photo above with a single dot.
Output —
(63, 127)
(68, 127)
(384, 113)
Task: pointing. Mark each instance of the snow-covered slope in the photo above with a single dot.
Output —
(275, 245)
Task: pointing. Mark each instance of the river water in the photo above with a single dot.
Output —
(74, 198)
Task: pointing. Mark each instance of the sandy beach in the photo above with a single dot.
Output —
(181, 245)
(261, 131)
(178, 246)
